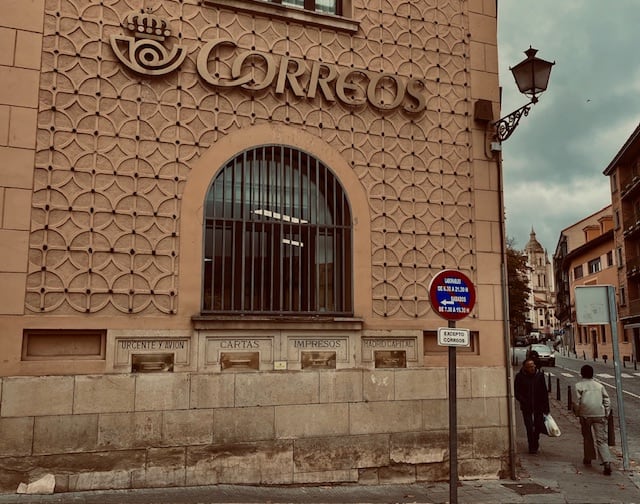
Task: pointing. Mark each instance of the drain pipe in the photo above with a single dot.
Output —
(504, 278)
(510, 399)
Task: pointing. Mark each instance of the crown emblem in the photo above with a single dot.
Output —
(145, 53)
(147, 25)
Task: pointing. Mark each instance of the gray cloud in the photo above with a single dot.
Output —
(553, 163)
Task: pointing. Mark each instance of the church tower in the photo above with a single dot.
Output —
(541, 298)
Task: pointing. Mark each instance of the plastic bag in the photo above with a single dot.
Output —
(551, 426)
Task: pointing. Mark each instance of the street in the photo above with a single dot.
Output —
(566, 373)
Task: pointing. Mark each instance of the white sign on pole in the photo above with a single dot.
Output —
(592, 304)
(596, 304)
(453, 337)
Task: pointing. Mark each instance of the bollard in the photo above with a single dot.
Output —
(584, 355)
(635, 365)
(569, 403)
(558, 389)
(549, 383)
(604, 358)
(611, 430)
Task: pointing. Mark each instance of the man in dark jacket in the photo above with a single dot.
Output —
(531, 392)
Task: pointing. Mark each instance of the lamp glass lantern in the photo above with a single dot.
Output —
(532, 74)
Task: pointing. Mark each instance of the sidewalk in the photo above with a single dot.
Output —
(554, 475)
(558, 466)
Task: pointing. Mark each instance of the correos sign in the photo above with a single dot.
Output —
(145, 53)
(350, 86)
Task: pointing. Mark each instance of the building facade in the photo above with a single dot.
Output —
(591, 261)
(542, 305)
(220, 220)
(585, 255)
(624, 177)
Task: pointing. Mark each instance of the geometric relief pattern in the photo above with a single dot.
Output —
(114, 148)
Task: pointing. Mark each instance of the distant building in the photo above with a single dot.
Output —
(584, 256)
(541, 318)
(624, 176)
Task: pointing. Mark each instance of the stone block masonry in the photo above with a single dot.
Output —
(292, 427)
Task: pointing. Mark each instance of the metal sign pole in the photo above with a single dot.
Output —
(453, 424)
(452, 296)
(613, 317)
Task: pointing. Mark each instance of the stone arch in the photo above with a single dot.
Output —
(205, 169)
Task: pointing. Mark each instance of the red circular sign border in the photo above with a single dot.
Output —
(449, 273)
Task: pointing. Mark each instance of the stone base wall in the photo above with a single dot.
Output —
(294, 427)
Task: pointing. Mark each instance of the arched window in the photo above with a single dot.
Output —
(277, 237)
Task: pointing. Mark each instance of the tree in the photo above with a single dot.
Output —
(519, 290)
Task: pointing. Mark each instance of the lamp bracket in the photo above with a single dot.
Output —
(506, 125)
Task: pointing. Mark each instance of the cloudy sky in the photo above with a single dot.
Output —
(553, 163)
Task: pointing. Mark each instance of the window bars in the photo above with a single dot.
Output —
(277, 237)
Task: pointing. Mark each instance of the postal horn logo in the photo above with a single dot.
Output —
(144, 53)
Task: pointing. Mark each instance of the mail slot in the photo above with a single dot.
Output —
(318, 360)
(390, 359)
(152, 363)
(240, 360)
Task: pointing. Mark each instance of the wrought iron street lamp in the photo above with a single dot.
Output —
(532, 77)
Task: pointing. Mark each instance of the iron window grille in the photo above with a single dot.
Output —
(277, 237)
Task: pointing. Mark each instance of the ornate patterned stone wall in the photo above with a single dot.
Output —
(114, 148)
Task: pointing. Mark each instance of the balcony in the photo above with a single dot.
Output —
(631, 227)
(634, 307)
(629, 187)
(633, 267)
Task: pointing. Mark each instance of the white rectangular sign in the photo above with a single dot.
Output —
(448, 336)
(592, 304)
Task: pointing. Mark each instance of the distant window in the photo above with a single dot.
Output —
(610, 258)
(614, 183)
(619, 255)
(623, 296)
(603, 331)
(328, 6)
(332, 15)
(594, 266)
(324, 6)
(577, 272)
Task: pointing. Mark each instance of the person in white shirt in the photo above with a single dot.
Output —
(592, 404)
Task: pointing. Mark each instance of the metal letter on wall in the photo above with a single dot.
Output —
(144, 53)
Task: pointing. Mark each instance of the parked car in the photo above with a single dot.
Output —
(521, 341)
(534, 337)
(546, 355)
